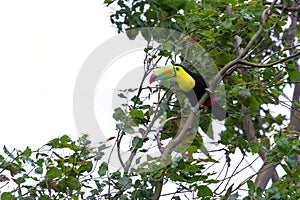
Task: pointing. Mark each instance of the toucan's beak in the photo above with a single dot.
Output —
(162, 74)
(153, 78)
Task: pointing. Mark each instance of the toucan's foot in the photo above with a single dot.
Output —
(208, 91)
(194, 110)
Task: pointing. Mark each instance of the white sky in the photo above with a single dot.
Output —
(42, 47)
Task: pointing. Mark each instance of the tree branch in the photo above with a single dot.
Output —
(158, 132)
(246, 63)
(216, 80)
(276, 52)
(266, 171)
(264, 18)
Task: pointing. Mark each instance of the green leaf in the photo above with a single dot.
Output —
(128, 129)
(227, 24)
(296, 104)
(193, 149)
(294, 74)
(132, 33)
(14, 168)
(283, 144)
(40, 162)
(143, 193)
(176, 4)
(205, 124)
(190, 5)
(125, 181)
(243, 95)
(137, 113)
(99, 155)
(119, 126)
(251, 187)
(123, 197)
(147, 49)
(212, 181)
(38, 170)
(103, 169)
(116, 175)
(254, 103)
(7, 196)
(145, 33)
(53, 173)
(137, 142)
(107, 1)
(254, 147)
(86, 167)
(204, 191)
(136, 100)
(8, 152)
(44, 198)
(65, 139)
(27, 152)
(168, 46)
(119, 114)
(19, 180)
(54, 143)
(150, 14)
(72, 182)
(287, 170)
(121, 95)
(164, 106)
(228, 192)
(210, 132)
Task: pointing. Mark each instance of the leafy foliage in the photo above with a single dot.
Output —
(59, 169)
(250, 42)
(254, 36)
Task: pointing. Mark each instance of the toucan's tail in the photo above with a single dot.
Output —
(219, 112)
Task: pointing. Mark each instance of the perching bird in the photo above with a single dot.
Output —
(192, 84)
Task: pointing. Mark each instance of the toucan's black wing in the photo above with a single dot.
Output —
(199, 90)
(200, 86)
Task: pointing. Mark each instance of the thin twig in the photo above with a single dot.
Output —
(159, 130)
(250, 64)
(216, 80)
(276, 52)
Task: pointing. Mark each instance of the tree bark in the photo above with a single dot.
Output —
(291, 39)
(295, 113)
(266, 171)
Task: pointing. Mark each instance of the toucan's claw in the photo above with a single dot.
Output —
(208, 91)
(195, 111)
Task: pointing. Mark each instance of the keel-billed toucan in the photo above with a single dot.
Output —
(192, 84)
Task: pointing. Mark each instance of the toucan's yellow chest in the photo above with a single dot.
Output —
(185, 81)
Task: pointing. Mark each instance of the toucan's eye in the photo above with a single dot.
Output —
(177, 68)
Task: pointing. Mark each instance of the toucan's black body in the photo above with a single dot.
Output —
(198, 91)
(192, 84)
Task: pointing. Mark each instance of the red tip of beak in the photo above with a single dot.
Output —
(152, 78)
